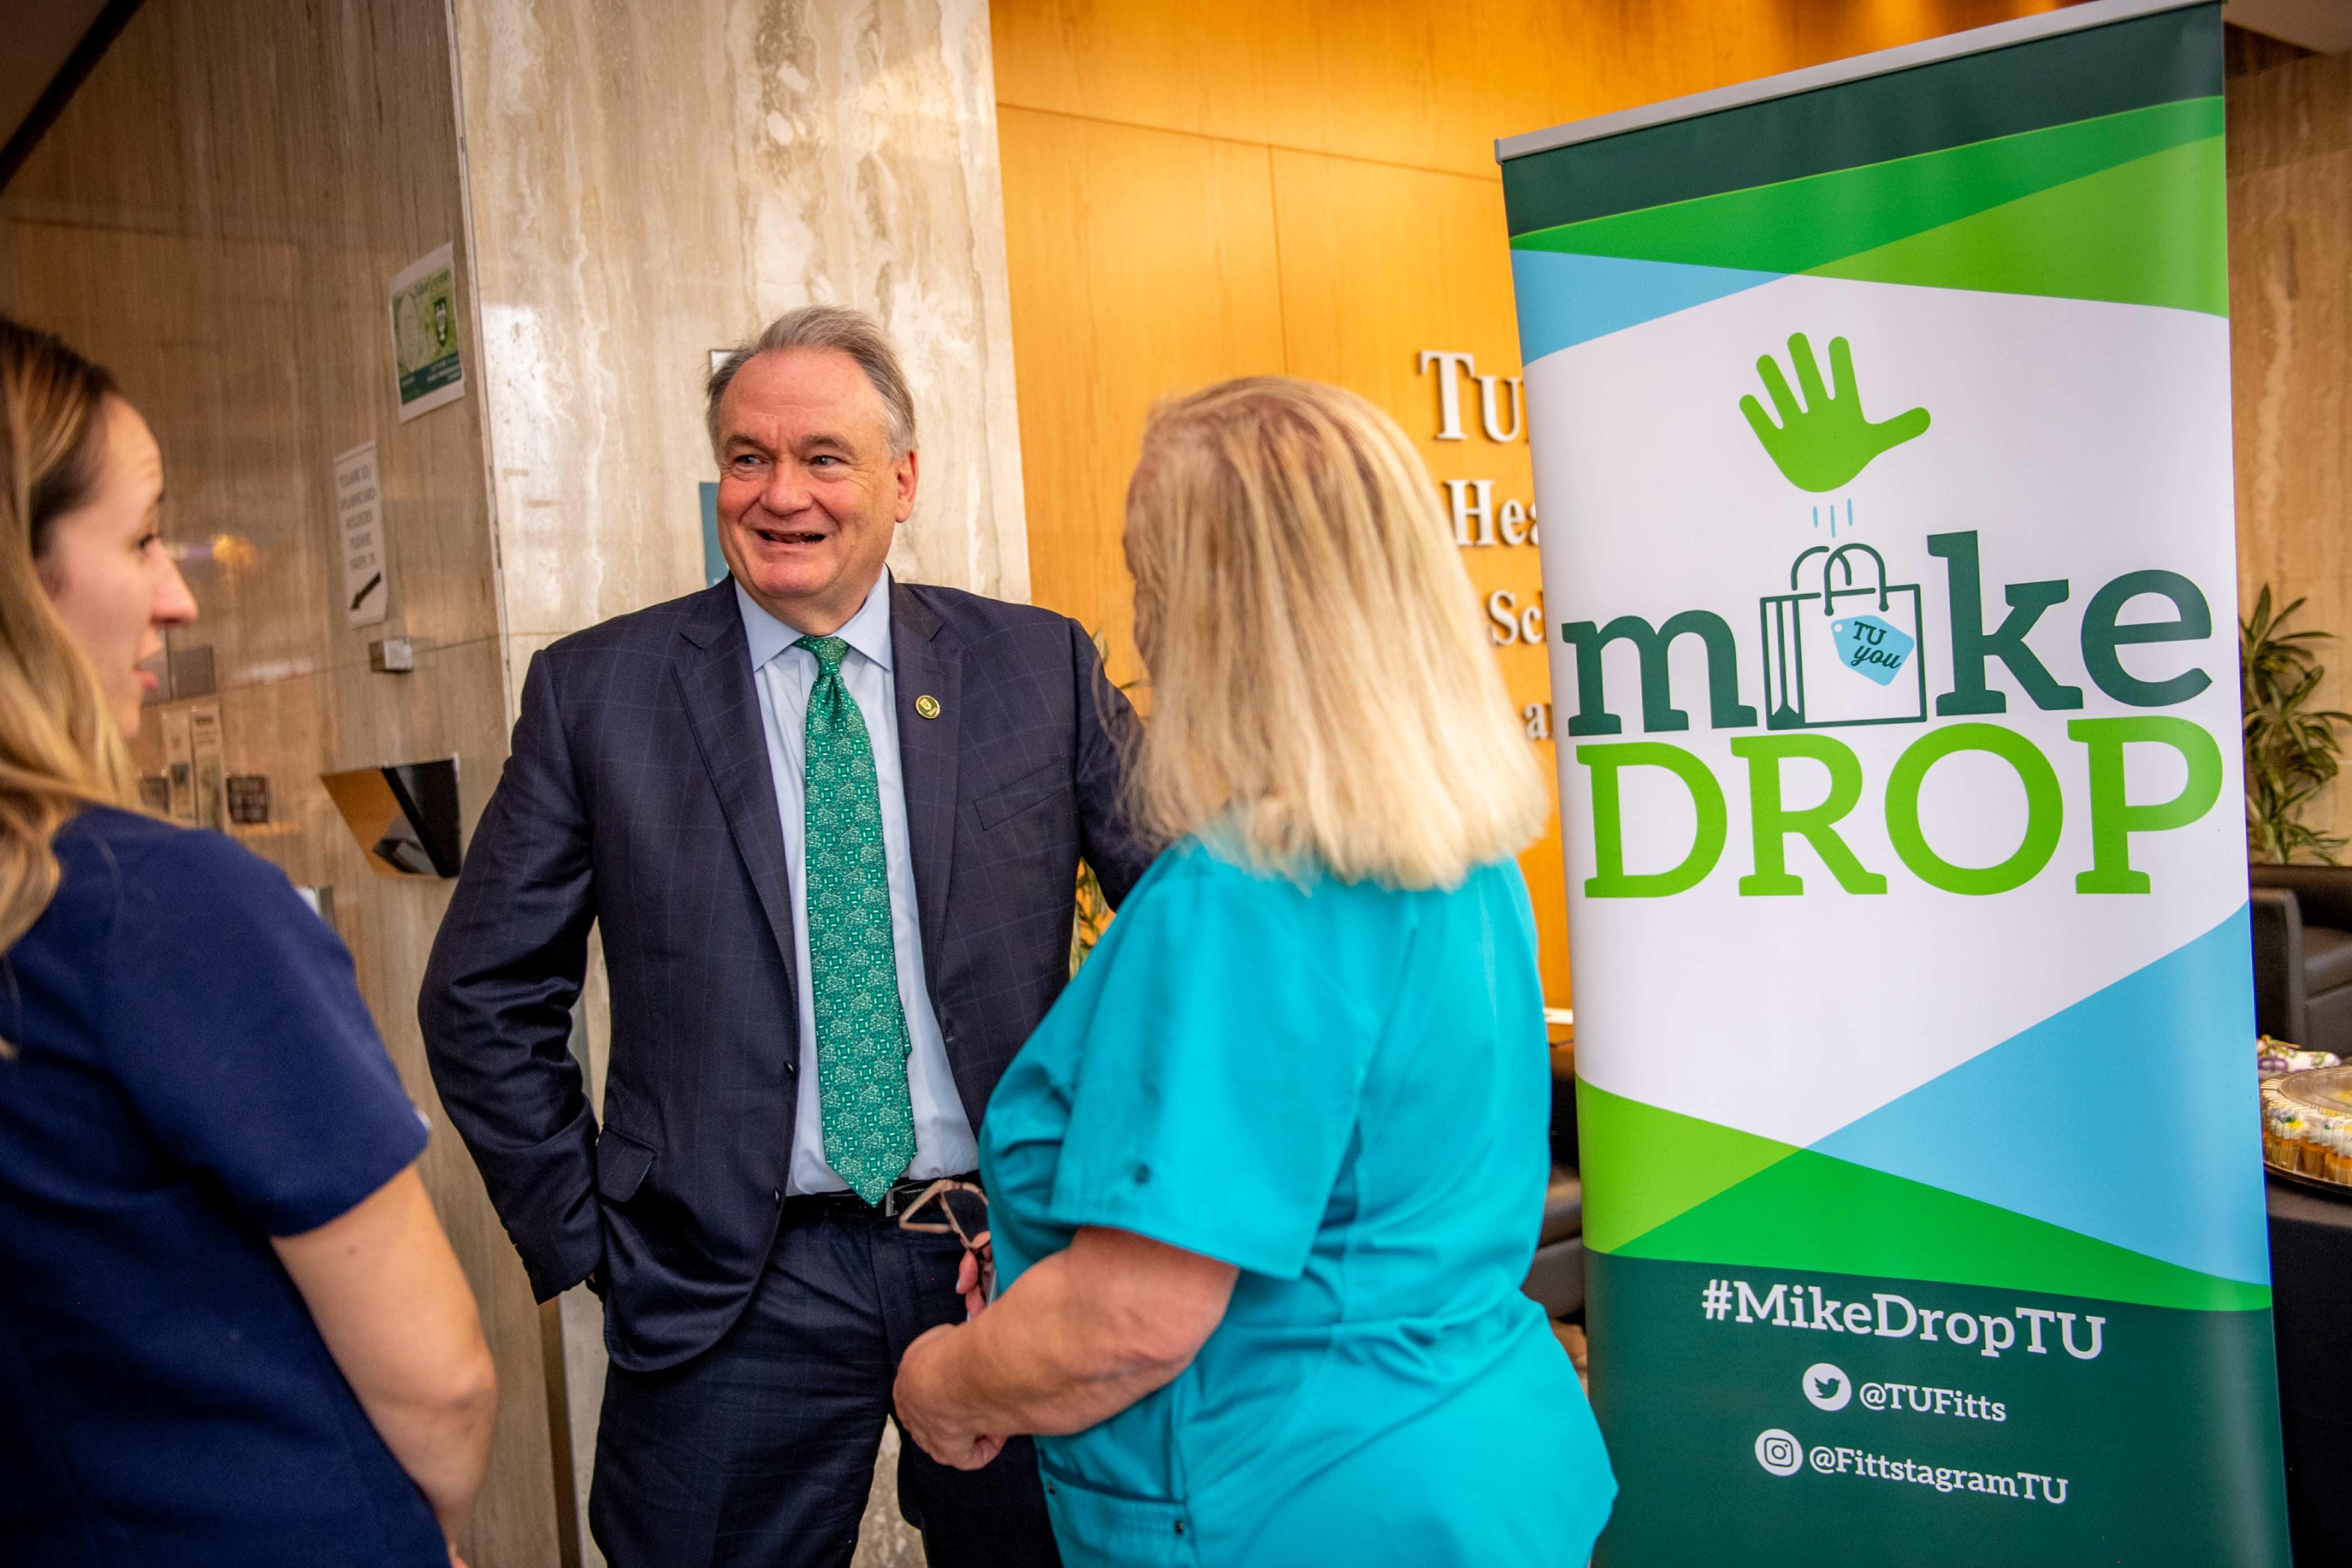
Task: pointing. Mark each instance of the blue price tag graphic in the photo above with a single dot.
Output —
(1869, 645)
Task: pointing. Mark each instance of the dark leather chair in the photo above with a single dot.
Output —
(2303, 955)
(1556, 1279)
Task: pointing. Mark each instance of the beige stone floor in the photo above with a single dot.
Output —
(883, 1539)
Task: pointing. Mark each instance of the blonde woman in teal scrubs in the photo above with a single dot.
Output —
(1265, 1182)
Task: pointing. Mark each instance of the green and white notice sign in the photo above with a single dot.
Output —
(1881, 419)
(428, 365)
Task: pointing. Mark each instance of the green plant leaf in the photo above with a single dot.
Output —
(2292, 751)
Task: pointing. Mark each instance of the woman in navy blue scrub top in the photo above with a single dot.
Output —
(231, 1329)
(1265, 1182)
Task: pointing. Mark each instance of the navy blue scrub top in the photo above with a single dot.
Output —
(194, 1073)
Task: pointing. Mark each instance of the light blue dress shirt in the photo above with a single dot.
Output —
(783, 675)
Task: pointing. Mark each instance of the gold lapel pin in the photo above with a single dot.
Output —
(928, 706)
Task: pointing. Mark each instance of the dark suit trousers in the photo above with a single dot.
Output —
(760, 1451)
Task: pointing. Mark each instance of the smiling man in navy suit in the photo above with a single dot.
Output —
(829, 824)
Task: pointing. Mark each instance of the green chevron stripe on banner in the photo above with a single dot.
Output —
(2052, 82)
(1647, 1164)
(1798, 225)
(1813, 1213)
(2086, 239)
(1664, 1186)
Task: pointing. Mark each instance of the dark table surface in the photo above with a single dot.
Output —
(2311, 1285)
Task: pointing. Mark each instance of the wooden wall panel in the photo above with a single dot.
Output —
(1197, 67)
(1847, 27)
(1379, 264)
(1421, 82)
(2289, 146)
(1431, 86)
(1144, 266)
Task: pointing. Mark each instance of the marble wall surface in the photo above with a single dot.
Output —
(218, 216)
(2290, 151)
(649, 184)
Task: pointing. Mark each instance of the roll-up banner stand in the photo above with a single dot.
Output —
(1881, 421)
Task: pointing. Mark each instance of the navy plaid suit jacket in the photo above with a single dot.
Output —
(637, 799)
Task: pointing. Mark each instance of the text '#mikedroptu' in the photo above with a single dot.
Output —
(1886, 1315)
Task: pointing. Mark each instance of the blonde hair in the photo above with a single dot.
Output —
(60, 748)
(1322, 692)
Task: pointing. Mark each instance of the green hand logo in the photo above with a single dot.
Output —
(1827, 442)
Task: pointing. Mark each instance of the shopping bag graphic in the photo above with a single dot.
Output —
(1849, 653)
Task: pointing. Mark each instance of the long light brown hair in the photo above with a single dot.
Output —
(60, 748)
(1322, 692)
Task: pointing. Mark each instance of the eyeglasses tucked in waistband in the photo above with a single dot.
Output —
(975, 1240)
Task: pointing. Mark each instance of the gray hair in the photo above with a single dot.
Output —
(853, 332)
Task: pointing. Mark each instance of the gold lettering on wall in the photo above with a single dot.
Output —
(1480, 520)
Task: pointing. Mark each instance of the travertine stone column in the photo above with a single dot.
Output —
(649, 182)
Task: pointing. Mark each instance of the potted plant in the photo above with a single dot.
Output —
(2291, 747)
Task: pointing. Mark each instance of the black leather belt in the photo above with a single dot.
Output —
(895, 1202)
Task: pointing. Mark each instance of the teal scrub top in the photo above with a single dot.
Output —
(1343, 1090)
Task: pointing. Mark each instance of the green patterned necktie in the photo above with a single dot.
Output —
(861, 1029)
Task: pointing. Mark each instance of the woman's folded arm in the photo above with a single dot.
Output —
(1077, 1339)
